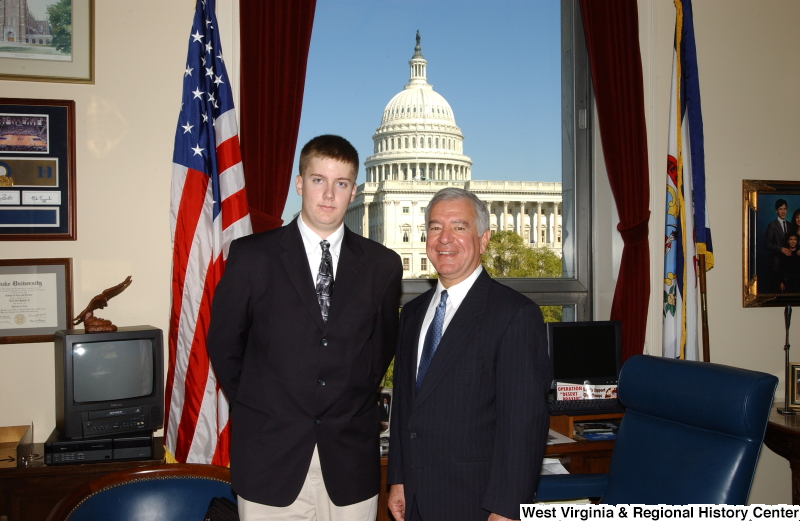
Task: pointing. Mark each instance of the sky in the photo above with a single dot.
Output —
(39, 7)
(496, 63)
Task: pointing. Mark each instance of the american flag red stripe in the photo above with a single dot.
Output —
(208, 211)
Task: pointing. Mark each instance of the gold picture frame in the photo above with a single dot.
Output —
(794, 388)
(37, 59)
(770, 275)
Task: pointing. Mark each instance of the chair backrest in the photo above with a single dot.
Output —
(168, 492)
(691, 434)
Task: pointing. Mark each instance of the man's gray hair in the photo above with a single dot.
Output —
(452, 193)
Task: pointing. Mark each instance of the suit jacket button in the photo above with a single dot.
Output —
(321, 382)
(317, 421)
(413, 435)
(324, 342)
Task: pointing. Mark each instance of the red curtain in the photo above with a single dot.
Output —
(612, 38)
(274, 41)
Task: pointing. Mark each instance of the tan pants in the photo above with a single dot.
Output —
(313, 504)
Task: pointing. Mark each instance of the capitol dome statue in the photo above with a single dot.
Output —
(418, 137)
(418, 150)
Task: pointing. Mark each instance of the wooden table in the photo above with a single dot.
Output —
(783, 438)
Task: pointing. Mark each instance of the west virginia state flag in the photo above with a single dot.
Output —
(687, 233)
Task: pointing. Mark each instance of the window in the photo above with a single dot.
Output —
(567, 224)
(567, 297)
(406, 264)
(423, 264)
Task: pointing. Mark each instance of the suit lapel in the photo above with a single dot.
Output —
(295, 261)
(348, 272)
(456, 336)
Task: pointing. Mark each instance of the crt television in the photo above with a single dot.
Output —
(585, 352)
(110, 382)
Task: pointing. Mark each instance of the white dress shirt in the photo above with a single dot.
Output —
(455, 296)
(314, 251)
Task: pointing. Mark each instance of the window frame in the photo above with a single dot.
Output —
(577, 102)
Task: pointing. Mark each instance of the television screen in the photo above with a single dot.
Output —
(114, 370)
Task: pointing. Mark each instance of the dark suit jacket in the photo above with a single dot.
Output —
(294, 381)
(472, 441)
(775, 240)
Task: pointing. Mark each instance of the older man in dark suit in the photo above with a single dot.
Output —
(303, 327)
(471, 376)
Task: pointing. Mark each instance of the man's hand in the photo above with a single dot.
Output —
(496, 517)
(397, 502)
(786, 251)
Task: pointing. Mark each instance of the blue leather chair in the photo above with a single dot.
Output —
(168, 492)
(691, 434)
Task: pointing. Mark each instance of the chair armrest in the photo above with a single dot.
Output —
(558, 487)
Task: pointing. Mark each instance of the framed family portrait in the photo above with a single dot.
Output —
(49, 40)
(35, 299)
(37, 170)
(771, 254)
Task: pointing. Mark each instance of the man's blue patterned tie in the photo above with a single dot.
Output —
(325, 280)
(432, 338)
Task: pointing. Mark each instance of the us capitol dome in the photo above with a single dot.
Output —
(418, 150)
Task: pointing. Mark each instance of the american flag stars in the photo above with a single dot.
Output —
(206, 95)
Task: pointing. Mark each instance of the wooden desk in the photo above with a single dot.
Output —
(783, 438)
(30, 493)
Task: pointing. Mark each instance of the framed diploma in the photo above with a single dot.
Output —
(37, 170)
(35, 299)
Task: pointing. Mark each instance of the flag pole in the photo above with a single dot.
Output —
(704, 306)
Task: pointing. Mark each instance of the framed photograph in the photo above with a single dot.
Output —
(771, 254)
(35, 299)
(385, 407)
(57, 44)
(37, 170)
(794, 388)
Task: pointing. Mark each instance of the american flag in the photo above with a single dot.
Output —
(208, 210)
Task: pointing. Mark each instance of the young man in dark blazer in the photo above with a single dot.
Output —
(775, 242)
(303, 327)
(471, 377)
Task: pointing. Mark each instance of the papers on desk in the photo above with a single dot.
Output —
(555, 438)
(552, 466)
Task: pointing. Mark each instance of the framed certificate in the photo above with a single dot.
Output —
(35, 299)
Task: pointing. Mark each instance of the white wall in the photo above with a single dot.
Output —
(749, 64)
(749, 56)
(125, 126)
